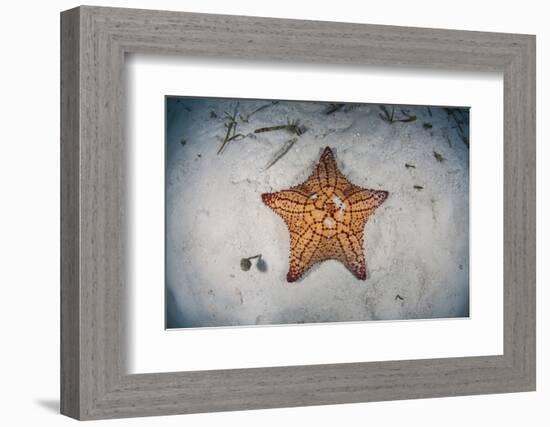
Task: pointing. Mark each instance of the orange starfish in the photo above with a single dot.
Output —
(326, 217)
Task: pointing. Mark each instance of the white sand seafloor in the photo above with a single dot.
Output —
(416, 243)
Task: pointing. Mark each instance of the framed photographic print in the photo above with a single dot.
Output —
(342, 212)
(221, 154)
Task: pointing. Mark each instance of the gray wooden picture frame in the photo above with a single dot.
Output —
(94, 382)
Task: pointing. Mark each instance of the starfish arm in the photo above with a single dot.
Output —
(288, 204)
(304, 247)
(326, 170)
(352, 255)
(367, 198)
(363, 203)
(325, 175)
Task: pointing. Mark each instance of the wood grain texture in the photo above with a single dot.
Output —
(70, 292)
(94, 382)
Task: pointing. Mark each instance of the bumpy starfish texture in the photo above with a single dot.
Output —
(326, 217)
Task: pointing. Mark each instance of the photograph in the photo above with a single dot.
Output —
(272, 213)
(298, 212)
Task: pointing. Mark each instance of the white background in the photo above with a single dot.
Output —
(154, 350)
(29, 233)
